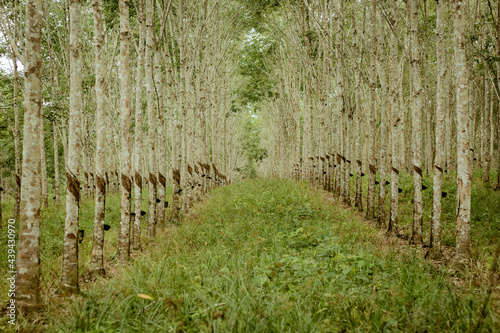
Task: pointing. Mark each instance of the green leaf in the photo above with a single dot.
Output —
(339, 256)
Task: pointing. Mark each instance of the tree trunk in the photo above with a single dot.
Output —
(176, 166)
(97, 263)
(358, 151)
(136, 234)
(306, 147)
(150, 94)
(396, 116)
(28, 254)
(175, 134)
(84, 165)
(69, 278)
(346, 190)
(17, 141)
(416, 123)
(370, 200)
(45, 191)
(126, 153)
(486, 135)
(57, 181)
(496, 111)
(159, 84)
(464, 175)
(187, 171)
(384, 89)
(495, 114)
(439, 162)
(449, 128)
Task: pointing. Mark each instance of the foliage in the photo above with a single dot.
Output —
(251, 147)
(112, 12)
(256, 10)
(6, 136)
(255, 49)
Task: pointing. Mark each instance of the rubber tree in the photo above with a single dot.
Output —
(28, 247)
(97, 262)
(439, 162)
(69, 277)
(464, 169)
(416, 123)
(125, 124)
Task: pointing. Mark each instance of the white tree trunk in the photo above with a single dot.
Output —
(416, 123)
(126, 147)
(395, 122)
(69, 278)
(464, 174)
(57, 180)
(439, 162)
(486, 130)
(138, 147)
(150, 96)
(97, 262)
(162, 167)
(28, 247)
(370, 201)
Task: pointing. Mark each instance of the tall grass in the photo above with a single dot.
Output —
(52, 232)
(485, 210)
(271, 256)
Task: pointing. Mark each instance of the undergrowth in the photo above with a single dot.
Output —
(270, 256)
(51, 243)
(485, 210)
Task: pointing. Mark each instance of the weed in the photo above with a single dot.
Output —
(272, 256)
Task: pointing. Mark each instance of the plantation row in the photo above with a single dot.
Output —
(383, 89)
(260, 255)
(139, 94)
(146, 96)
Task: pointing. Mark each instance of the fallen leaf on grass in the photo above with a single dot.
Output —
(144, 296)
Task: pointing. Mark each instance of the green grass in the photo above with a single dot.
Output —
(270, 256)
(485, 210)
(52, 232)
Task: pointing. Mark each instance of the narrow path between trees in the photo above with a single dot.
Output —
(272, 256)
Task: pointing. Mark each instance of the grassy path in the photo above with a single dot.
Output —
(272, 256)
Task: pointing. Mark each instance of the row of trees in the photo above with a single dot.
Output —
(381, 87)
(138, 92)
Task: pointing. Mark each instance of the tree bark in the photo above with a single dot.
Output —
(126, 147)
(136, 234)
(464, 174)
(176, 136)
(416, 122)
(358, 151)
(17, 142)
(486, 129)
(57, 180)
(159, 84)
(496, 111)
(69, 278)
(439, 162)
(45, 191)
(97, 261)
(384, 89)
(28, 250)
(150, 95)
(396, 115)
(370, 200)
